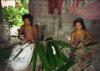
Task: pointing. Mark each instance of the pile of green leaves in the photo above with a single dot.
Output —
(51, 56)
(14, 15)
(51, 61)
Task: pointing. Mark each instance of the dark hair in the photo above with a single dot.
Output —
(80, 20)
(27, 16)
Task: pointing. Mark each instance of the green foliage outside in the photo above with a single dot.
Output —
(14, 15)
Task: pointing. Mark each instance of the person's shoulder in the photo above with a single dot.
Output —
(22, 26)
(73, 33)
(86, 31)
(33, 27)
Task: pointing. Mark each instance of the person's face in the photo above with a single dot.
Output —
(78, 26)
(27, 22)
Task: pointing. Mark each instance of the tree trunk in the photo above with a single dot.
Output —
(0, 4)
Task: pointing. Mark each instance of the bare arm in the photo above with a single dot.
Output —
(72, 39)
(20, 31)
(89, 36)
(72, 54)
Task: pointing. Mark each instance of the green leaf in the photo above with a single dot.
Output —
(34, 58)
(50, 55)
(58, 54)
(12, 14)
(62, 62)
(66, 66)
(62, 44)
(43, 58)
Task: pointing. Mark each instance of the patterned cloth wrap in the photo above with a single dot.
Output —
(22, 61)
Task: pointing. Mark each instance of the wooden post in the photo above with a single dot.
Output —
(0, 4)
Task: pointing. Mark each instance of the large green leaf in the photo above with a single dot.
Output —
(55, 59)
(50, 55)
(66, 66)
(34, 58)
(62, 44)
(58, 58)
(43, 58)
